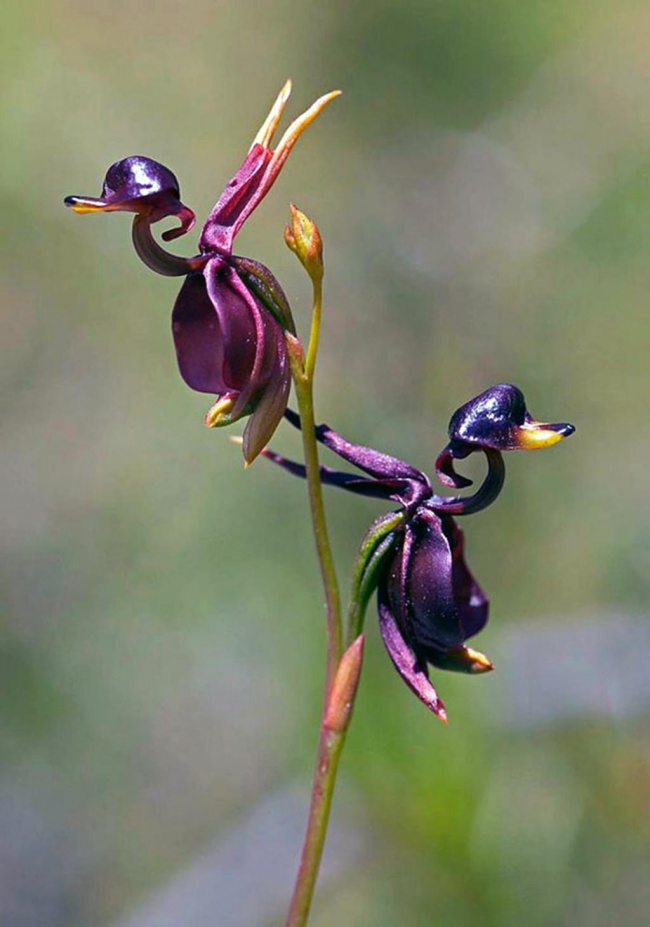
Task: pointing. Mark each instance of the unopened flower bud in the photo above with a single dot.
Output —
(303, 238)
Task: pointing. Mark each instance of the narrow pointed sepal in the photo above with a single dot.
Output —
(406, 663)
(267, 414)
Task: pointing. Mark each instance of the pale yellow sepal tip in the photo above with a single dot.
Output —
(270, 124)
(299, 125)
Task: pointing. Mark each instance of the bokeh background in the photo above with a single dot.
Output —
(482, 190)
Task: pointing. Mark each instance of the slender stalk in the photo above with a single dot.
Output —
(303, 377)
(314, 334)
(330, 745)
(330, 742)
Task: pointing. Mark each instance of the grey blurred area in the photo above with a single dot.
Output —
(568, 669)
(243, 876)
(482, 191)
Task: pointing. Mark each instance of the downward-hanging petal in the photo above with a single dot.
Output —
(470, 600)
(216, 330)
(253, 338)
(270, 408)
(420, 585)
(413, 672)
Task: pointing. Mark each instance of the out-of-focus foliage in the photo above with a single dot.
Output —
(482, 191)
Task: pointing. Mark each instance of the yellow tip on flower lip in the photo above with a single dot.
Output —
(534, 435)
(217, 414)
(270, 124)
(84, 204)
(479, 662)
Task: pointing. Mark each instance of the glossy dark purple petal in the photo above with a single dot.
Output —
(255, 351)
(198, 338)
(425, 590)
(472, 603)
(262, 283)
(413, 672)
(215, 331)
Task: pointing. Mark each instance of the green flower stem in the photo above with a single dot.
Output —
(314, 334)
(331, 741)
(303, 378)
(330, 746)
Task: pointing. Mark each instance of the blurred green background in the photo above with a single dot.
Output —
(482, 190)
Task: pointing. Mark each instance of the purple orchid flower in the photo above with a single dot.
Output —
(230, 317)
(429, 602)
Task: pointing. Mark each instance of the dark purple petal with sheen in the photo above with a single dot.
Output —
(472, 603)
(198, 337)
(426, 592)
(216, 331)
(255, 345)
(405, 661)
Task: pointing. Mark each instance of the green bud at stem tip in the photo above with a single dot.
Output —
(303, 238)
